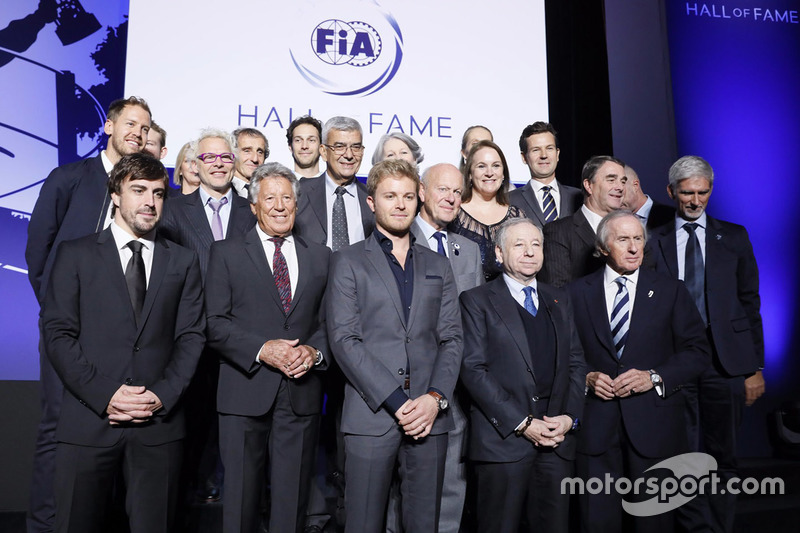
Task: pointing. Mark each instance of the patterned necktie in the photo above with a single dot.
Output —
(619, 315)
(281, 274)
(216, 220)
(340, 237)
(439, 236)
(550, 213)
(135, 278)
(694, 270)
(529, 305)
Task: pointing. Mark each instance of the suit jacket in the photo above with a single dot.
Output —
(732, 299)
(524, 198)
(568, 250)
(497, 370)
(91, 336)
(186, 223)
(665, 334)
(312, 211)
(72, 203)
(244, 310)
(659, 215)
(374, 344)
(465, 258)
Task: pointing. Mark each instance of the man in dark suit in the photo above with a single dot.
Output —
(395, 329)
(333, 210)
(74, 202)
(716, 261)
(524, 370)
(543, 198)
(643, 341)
(252, 149)
(263, 299)
(569, 242)
(123, 325)
(651, 213)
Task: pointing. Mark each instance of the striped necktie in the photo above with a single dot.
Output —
(550, 213)
(620, 315)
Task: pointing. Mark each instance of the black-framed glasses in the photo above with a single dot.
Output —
(341, 148)
(210, 157)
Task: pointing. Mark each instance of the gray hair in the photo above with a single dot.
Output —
(340, 124)
(250, 132)
(270, 170)
(603, 231)
(409, 141)
(500, 236)
(690, 166)
(212, 133)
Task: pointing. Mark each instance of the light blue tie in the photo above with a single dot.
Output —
(620, 315)
(529, 305)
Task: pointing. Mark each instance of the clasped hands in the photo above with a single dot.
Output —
(416, 416)
(288, 356)
(548, 432)
(626, 384)
(135, 404)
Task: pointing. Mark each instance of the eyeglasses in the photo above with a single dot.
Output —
(341, 148)
(209, 158)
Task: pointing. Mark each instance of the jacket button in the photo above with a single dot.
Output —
(135, 348)
(286, 326)
(401, 371)
(535, 398)
(408, 339)
(128, 381)
(528, 369)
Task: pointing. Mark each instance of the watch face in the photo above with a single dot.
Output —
(443, 404)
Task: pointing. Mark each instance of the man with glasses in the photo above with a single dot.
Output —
(333, 210)
(211, 213)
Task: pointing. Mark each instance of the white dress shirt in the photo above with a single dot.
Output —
(611, 288)
(352, 208)
(108, 166)
(122, 238)
(430, 240)
(591, 217)
(682, 237)
(224, 212)
(238, 185)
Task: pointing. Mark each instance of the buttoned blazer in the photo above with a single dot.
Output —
(732, 299)
(523, 197)
(666, 335)
(569, 245)
(312, 212)
(375, 345)
(92, 339)
(498, 370)
(72, 203)
(186, 223)
(464, 256)
(245, 310)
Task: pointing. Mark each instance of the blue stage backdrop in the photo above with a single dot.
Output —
(61, 63)
(735, 76)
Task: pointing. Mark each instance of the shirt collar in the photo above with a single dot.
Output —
(516, 287)
(264, 237)
(386, 243)
(537, 186)
(427, 229)
(609, 275)
(330, 186)
(108, 166)
(680, 222)
(644, 211)
(122, 237)
(591, 217)
(204, 196)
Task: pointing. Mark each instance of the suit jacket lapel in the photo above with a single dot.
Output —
(642, 309)
(161, 258)
(595, 300)
(668, 247)
(529, 195)
(255, 250)
(420, 271)
(318, 202)
(113, 266)
(303, 266)
(583, 228)
(367, 217)
(198, 219)
(376, 257)
(506, 308)
(239, 213)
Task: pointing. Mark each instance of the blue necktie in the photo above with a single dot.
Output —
(529, 305)
(694, 271)
(619, 316)
(550, 212)
(439, 236)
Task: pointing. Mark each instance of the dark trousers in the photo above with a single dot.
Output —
(85, 477)
(714, 413)
(369, 464)
(526, 491)
(245, 442)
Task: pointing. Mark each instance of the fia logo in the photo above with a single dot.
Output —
(337, 42)
(350, 57)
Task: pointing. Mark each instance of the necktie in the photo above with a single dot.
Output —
(281, 274)
(216, 221)
(135, 278)
(550, 213)
(619, 315)
(439, 236)
(529, 305)
(340, 237)
(694, 270)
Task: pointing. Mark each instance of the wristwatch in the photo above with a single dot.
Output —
(441, 401)
(318, 359)
(657, 382)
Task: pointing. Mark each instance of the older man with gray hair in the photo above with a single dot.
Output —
(264, 300)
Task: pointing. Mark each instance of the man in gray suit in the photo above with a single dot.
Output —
(440, 194)
(543, 198)
(394, 327)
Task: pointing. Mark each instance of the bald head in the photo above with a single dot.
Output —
(440, 193)
(634, 197)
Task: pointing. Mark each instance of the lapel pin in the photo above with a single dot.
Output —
(719, 237)
(456, 247)
(650, 294)
(556, 301)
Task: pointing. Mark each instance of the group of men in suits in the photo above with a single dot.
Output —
(555, 377)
